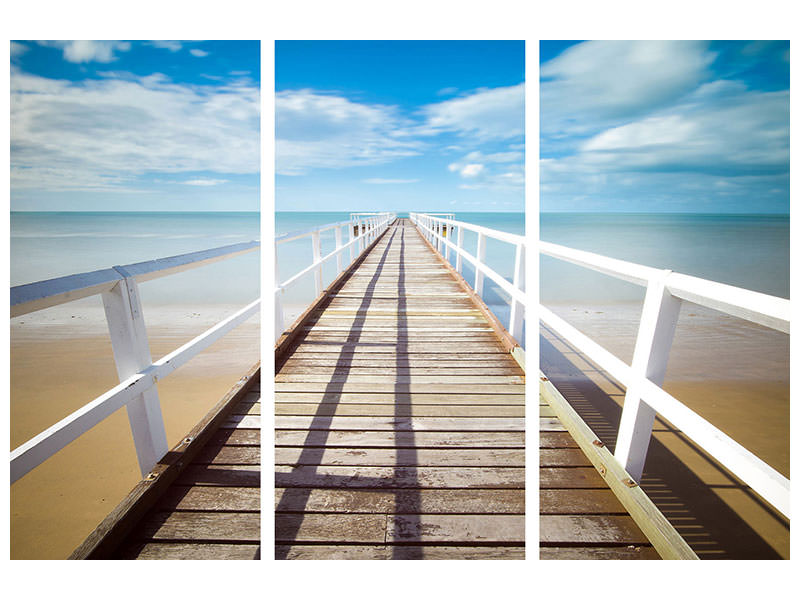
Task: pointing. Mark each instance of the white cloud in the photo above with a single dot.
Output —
(204, 182)
(315, 130)
(100, 134)
(18, 49)
(738, 134)
(84, 51)
(597, 83)
(471, 170)
(171, 45)
(381, 181)
(484, 115)
(198, 53)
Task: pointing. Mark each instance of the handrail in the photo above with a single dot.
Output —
(439, 232)
(643, 378)
(368, 229)
(137, 372)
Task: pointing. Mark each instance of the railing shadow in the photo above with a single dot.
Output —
(408, 526)
(289, 513)
(709, 525)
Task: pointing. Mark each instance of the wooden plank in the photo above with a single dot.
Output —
(379, 457)
(202, 526)
(579, 502)
(389, 439)
(589, 529)
(389, 410)
(233, 475)
(400, 399)
(563, 457)
(473, 529)
(214, 498)
(427, 501)
(354, 380)
(407, 388)
(399, 477)
(630, 552)
(229, 455)
(355, 528)
(381, 552)
(185, 551)
(401, 423)
(578, 477)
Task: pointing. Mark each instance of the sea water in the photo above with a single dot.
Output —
(748, 251)
(293, 256)
(54, 244)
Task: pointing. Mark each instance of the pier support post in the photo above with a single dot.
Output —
(651, 353)
(132, 354)
(517, 309)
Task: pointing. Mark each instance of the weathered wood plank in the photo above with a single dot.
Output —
(211, 498)
(184, 551)
(426, 501)
(202, 526)
(234, 475)
(401, 423)
(333, 552)
(399, 410)
(578, 477)
(589, 529)
(630, 552)
(399, 398)
(229, 455)
(379, 457)
(563, 457)
(577, 502)
(389, 439)
(399, 477)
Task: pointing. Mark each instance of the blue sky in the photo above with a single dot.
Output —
(108, 126)
(652, 126)
(400, 125)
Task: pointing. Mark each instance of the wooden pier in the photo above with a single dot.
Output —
(202, 500)
(399, 417)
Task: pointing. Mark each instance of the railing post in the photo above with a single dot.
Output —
(126, 328)
(447, 230)
(517, 309)
(317, 256)
(459, 245)
(480, 254)
(339, 257)
(350, 237)
(651, 353)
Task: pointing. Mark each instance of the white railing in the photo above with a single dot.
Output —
(439, 232)
(644, 397)
(362, 228)
(138, 374)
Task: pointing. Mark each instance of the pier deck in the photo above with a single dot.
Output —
(204, 502)
(399, 417)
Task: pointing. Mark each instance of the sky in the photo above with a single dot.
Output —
(664, 126)
(400, 125)
(125, 126)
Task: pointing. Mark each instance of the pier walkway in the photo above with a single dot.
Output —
(399, 427)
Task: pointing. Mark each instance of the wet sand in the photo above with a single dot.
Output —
(58, 363)
(734, 374)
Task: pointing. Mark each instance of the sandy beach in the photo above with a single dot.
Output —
(733, 373)
(60, 359)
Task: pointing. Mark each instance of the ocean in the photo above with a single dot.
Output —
(749, 251)
(292, 257)
(53, 244)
